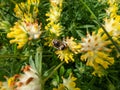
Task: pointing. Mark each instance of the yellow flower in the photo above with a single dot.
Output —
(112, 22)
(23, 31)
(56, 29)
(4, 86)
(19, 35)
(34, 2)
(57, 2)
(11, 82)
(95, 52)
(112, 10)
(94, 42)
(66, 48)
(54, 14)
(33, 29)
(111, 2)
(68, 84)
(7, 85)
(53, 18)
(49, 41)
(73, 46)
(113, 26)
(27, 11)
(60, 87)
(94, 58)
(65, 55)
(98, 71)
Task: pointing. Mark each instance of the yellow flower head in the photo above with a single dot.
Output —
(33, 29)
(57, 2)
(112, 22)
(7, 85)
(11, 82)
(98, 71)
(65, 55)
(66, 48)
(53, 17)
(56, 29)
(93, 47)
(94, 43)
(73, 46)
(54, 14)
(27, 11)
(112, 10)
(19, 35)
(4, 86)
(33, 2)
(49, 41)
(23, 31)
(111, 2)
(60, 87)
(68, 84)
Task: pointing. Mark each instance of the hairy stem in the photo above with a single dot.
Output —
(54, 70)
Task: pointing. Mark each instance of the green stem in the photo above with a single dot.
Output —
(55, 69)
(18, 56)
(88, 9)
(40, 62)
(38, 65)
(42, 85)
(11, 56)
(114, 43)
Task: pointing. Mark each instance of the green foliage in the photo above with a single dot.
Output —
(77, 21)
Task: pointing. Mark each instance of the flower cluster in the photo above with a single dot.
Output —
(96, 53)
(94, 49)
(53, 28)
(70, 48)
(19, 34)
(28, 80)
(73, 46)
(27, 28)
(23, 31)
(8, 85)
(112, 22)
(65, 55)
(54, 16)
(66, 48)
(4, 86)
(68, 84)
(27, 11)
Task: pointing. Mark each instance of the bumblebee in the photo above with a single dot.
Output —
(61, 45)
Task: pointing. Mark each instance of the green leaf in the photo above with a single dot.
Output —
(31, 62)
(62, 70)
(38, 61)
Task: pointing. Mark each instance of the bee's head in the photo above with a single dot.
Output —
(56, 43)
